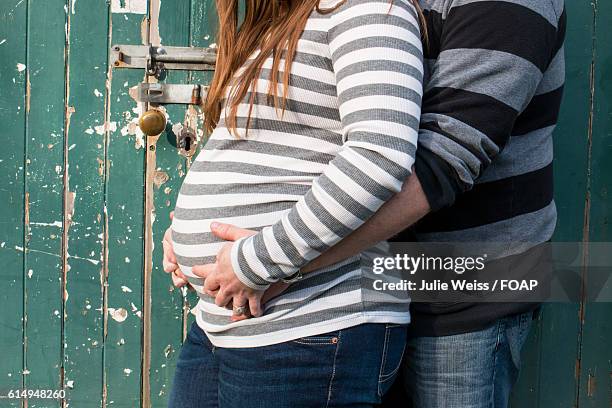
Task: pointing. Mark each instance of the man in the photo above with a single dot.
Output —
(483, 173)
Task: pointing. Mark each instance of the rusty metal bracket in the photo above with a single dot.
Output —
(161, 93)
(157, 59)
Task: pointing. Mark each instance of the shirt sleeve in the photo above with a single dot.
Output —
(377, 60)
(490, 59)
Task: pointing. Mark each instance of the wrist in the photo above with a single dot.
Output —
(293, 278)
(241, 268)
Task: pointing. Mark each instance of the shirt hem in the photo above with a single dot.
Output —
(268, 339)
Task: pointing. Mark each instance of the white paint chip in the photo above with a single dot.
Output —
(118, 315)
(97, 93)
(111, 126)
(127, 371)
(20, 67)
(48, 224)
(129, 6)
(126, 289)
(177, 128)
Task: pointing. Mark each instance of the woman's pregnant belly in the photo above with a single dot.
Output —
(208, 196)
(194, 243)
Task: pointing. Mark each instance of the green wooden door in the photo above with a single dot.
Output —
(567, 361)
(73, 228)
(86, 306)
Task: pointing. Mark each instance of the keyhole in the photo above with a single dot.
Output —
(186, 141)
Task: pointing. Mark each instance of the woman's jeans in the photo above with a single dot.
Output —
(352, 367)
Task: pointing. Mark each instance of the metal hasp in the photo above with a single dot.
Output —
(156, 59)
(161, 93)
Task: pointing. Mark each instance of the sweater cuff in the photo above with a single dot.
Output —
(437, 179)
(243, 270)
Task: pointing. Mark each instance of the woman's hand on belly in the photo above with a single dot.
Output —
(222, 283)
(169, 262)
(228, 232)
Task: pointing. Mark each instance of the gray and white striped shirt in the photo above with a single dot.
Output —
(343, 147)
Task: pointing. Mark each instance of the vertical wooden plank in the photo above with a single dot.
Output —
(548, 377)
(12, 115)
(172, 27)
(85, 150)
(596, 373)
(186, 23)
(125, 206)
(44, 168)
(203, 32)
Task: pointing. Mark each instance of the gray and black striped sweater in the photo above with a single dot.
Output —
(494, 77)
(344, 146)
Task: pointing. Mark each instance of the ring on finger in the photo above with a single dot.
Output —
(239, 310)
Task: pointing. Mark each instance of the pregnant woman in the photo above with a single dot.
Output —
(314, 110)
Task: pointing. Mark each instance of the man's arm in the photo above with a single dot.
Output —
(489, 64)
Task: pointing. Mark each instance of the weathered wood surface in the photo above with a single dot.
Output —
(85, 221)
(13, 77)
(80, 241)
(568, 360)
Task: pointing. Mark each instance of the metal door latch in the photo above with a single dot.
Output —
(157, 59)
(161, 93)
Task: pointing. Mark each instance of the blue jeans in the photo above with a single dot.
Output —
(471, 370)
(352, 367)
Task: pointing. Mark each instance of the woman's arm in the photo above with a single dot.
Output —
(402, 211)
(377, 60)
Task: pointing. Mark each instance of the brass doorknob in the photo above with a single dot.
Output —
(152, 122)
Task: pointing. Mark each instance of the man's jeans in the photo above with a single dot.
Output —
(471, 370)
(352, 367)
